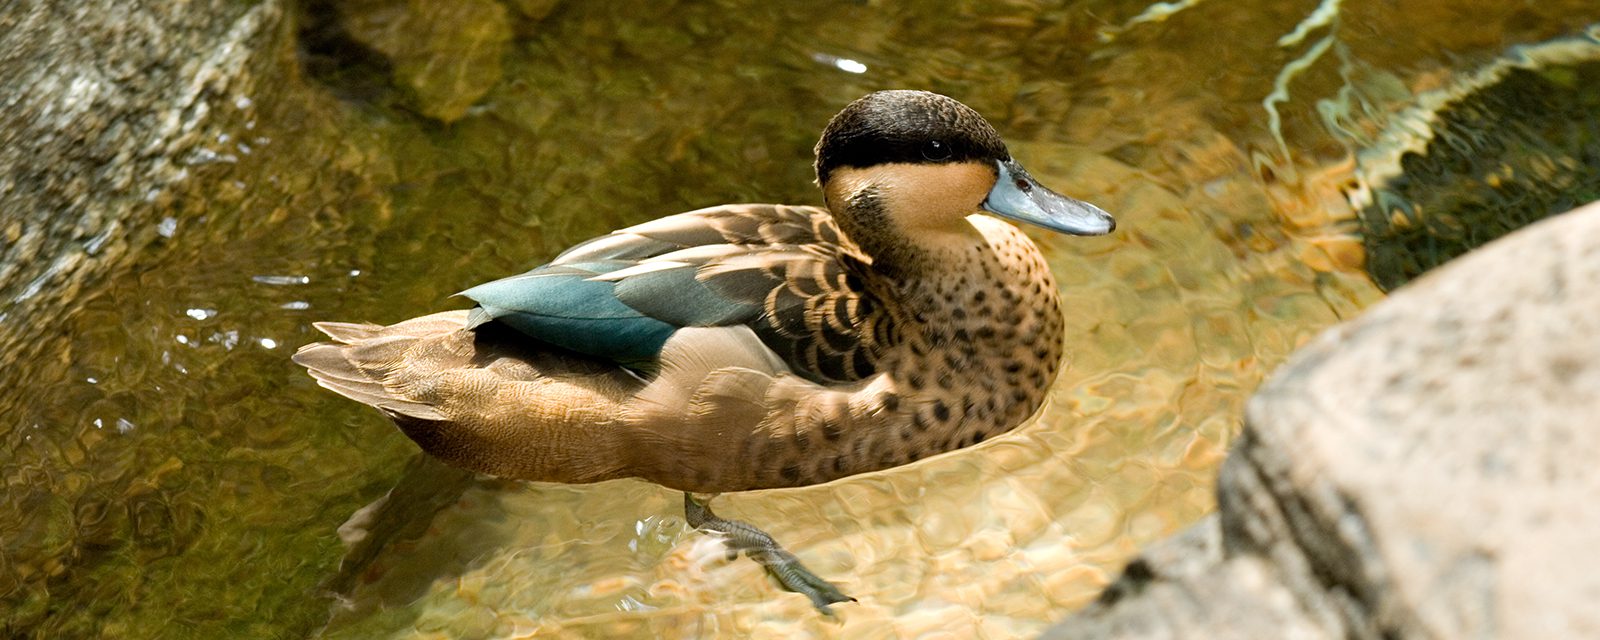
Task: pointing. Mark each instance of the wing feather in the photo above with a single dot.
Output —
(784, 272)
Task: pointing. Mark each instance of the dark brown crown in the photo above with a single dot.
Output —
(901, 126)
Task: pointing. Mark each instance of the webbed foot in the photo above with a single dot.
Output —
(758, 546)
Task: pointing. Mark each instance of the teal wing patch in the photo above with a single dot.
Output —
(563, 305)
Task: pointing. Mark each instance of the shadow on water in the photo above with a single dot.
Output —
(171, 473)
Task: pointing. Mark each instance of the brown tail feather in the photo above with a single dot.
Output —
(348, 332)
(483, 400)
(327, 359)
(330, 365)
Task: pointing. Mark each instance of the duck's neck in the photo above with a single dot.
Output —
(989, 287)
(925, 251)
(981, 327)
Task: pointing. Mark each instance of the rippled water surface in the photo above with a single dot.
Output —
(172, 474)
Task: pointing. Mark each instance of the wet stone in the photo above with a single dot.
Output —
(1497, 158)
(447, 53)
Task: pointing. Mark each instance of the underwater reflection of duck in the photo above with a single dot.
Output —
(752, 346)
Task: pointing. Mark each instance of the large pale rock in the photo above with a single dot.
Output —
(1180, 588)
(1425, 471)
(1433, 463)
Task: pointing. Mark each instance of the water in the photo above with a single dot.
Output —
(174, 475)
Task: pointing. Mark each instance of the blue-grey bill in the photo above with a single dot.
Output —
(1016, 195)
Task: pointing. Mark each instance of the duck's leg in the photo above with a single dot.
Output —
(755, 543)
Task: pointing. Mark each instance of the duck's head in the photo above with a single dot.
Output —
(922, 162)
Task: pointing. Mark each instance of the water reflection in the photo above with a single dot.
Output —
(171, 473)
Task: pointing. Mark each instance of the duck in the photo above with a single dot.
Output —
(752, 346)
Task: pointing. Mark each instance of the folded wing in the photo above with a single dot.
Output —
(784, 272)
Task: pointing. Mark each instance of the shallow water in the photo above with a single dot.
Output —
(174, 474)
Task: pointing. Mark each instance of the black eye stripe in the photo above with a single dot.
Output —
(936, 150)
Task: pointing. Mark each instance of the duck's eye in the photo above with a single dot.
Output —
(935, 150)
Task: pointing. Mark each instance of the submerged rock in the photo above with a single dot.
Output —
(105, 107)
(1425, 471)
(446, 53)
(1492, 151)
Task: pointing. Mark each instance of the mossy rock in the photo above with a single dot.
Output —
(1506, 155)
